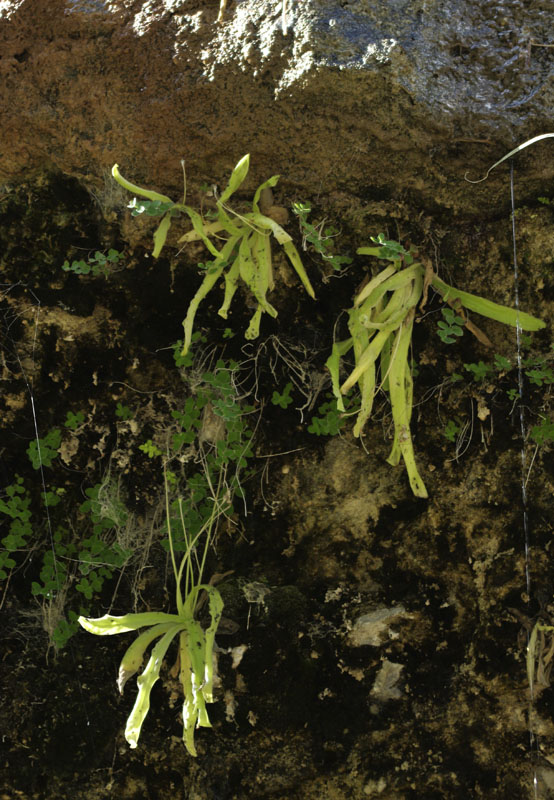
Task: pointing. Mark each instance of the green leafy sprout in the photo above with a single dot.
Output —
(543, 433)
(16, 506)
(451, 430)
(42, 452)
(123, 412)
(450, 327)
(282, 399)
(98, 264)
(245, 252)
(328, 421)
(74, 421)
(195, 642)
(480, 371)
(150, 449)
(381, 323)
(319, 237)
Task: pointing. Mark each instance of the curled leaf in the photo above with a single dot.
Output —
(132, 187)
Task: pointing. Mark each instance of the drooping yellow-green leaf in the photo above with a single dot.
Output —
(509, 316)
(145, 682)
(160, 234)
(296, 261)
(201, 230)
(132, 187)
(216, 608)
(209, 281)
(374, 282)
(108, 625)
(399, 390)
(333, 365)
(132, 660)
(231, 282)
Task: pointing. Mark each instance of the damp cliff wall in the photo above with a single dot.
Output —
(374, 644)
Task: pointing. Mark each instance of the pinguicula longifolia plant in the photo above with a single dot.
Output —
(381, 323)
(245, 252)
(195, 642)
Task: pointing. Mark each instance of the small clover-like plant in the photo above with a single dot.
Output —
(98, 264)
(502, 364)
(480, 371)
(451, 430)
(381, 324)
(42, 452)
(151, 450)
(543, 433)
(244, 251)
(539, 370)
(451, 327)
(123, 412)
(282, 399)
(195, 642)
(74, 421)
(16, 506)
(330, 419)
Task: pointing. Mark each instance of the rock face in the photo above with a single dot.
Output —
(345, 98)
(373, 645)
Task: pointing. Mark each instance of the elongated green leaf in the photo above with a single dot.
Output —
(132, 660)
(401, 409)
(396, 281)
(369, 251)
(208, 228)
(190, 708)
(216, 608)
(361, 338)
(249, 273)
(367, 386)
(132, 187)
(285, 240)
(296, 261)
(160, 235)
(333, 365)
(268, 224)
(108, 625)
(192, 651)
(253, 330)
(385, 362)
(383, 316)
(231, 283)
(509, 316)
(266, 185)
(370, 354)
(145, 682)
(208, 283)
(200, 229)
(237, 177)
(261, 253)
(373, 283)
